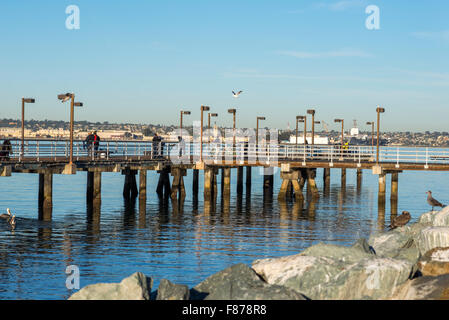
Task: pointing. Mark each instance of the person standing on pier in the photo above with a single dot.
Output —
(156, 146)
(5, 150)
(89, 143)
(96, 140)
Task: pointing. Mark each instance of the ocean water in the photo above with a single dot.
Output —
(186, 242)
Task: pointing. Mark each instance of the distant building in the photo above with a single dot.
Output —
(317, 139)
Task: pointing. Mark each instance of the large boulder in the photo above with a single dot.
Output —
(423, 288)
(436, 218)
(327, 271)
(433, 237)
(135, 287)
(171, 291)
(434, 262)
(240, 282)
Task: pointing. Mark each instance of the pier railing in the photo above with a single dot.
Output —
(216, 153)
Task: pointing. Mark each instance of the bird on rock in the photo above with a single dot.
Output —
(401, 220)
(433, 202)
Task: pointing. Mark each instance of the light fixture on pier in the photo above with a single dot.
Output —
(203, 108)
(257, 130)
(371, 123)
(342, 129)
(379, 111)
(24, 100)
(64, 98)
(182, 113)
(312, 112)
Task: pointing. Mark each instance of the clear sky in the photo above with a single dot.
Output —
(143, 61)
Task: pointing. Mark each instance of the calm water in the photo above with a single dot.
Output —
(184, 244)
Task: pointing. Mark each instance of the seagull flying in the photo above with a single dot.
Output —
(236, 95)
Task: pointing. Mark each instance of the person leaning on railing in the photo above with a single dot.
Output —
(5, 150)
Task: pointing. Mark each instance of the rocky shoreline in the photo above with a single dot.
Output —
(407, 263)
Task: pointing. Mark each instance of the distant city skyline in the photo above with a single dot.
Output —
(142, 62)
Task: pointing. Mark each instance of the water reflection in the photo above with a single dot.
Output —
(184, 240)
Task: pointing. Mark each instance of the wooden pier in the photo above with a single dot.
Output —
(298, 174)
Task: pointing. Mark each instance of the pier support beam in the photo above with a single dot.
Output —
(394, 186)
(248, 178)
(326, 178)
(290, 177)
(195, 183)
(163, 186)
(178, 183)
(268, 180)
(45, 199)
(382, 188)
(359, 177)
(239, 180)
(210, 187)
(226, 187)
(343, 177)
(311, 183)
(142, 185)
(130, 186)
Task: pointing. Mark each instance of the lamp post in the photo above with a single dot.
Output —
(208, 123)
(342, 129)
(64, 98)
(24, 100)
(371, 123)
(203, 108)
(312, 112)
(233, 111)
(299, 119)
(182, 113)
(379, 111)
(257, 131)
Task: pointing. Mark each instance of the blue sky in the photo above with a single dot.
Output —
(143, 61)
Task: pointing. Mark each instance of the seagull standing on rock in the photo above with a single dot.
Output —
(401, 220)
(433, 202)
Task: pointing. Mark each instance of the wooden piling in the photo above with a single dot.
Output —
(195, 182)
(248, 178)
(326, 178)
(394, 186)
(97, 188)
(130, 185)
(239, 180)
(226, 173)
(45, 198)
(208, 183)
(311, 183)
(359, 177)
(343, 177)
(142, 185)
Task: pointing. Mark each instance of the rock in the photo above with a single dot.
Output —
(135, 287)
(170, 291)
(334, 272)
(424, 288)
(433, 237)
(434, 262)
(388, 243)
(436, 218)
(240, 282)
